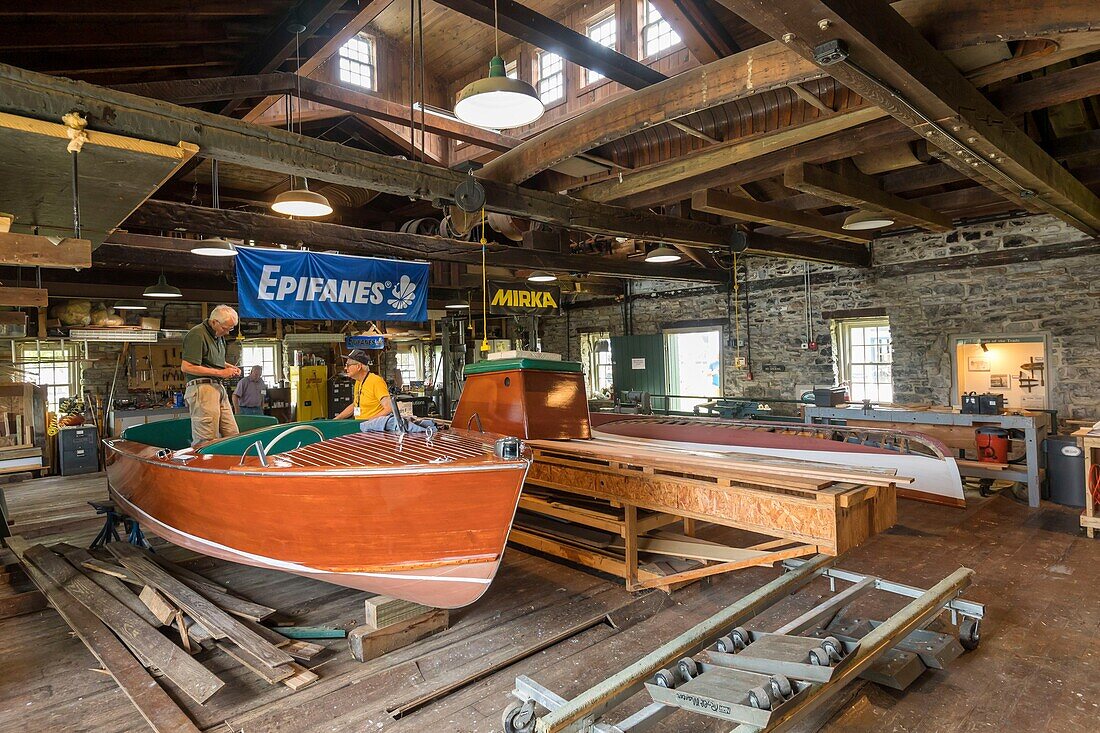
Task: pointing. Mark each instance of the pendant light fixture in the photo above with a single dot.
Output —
(161, 289)
(130, 305)
(662, 254)
(300, 201)
(498, 102)
(457, 304)
(541, 276)
(214, 246)
(862, 220)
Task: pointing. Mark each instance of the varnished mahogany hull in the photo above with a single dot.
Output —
(433, 538)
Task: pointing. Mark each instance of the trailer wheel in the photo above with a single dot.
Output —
(759, 698)
(664, 678)
(687, 668)
(970, 633)
(725, 644)
(819, 657)
(519, 717)
(781, 687)
(740, 637)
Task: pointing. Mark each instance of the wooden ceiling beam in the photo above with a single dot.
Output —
(531, 27)
(271, 52)
(37, 95)
(888, 54)
(141, 8)
(713, 158)
(24, 297)
(197, 91)
(352, 240)
(862, 192)
(737, 207)
(29, 250)
(1048, 90)
(64, 34)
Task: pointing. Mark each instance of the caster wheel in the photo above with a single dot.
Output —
(664, 678)
(519, 717)
(835, 649)
(725, 644)
(687, 668)
(819, 657)
(970, 633)
(740, 637)
(781, 687)
(758, 698)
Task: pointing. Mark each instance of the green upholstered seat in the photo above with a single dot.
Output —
(505, 365)
(176, 434)
(329, 428)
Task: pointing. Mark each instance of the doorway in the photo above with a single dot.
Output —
(694, 367)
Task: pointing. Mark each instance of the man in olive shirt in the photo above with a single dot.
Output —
(205, 367)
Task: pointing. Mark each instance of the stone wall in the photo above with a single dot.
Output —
(1023, 275)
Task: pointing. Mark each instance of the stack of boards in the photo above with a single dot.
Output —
(161, 615)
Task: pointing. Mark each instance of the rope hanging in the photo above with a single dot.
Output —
(75, 124)
(484, 288)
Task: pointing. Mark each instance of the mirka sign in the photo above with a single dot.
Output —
(524, 299)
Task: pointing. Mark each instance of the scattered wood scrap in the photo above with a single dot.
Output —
(138, 598)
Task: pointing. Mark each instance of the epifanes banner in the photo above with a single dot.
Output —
(294, 284)
(524, 299)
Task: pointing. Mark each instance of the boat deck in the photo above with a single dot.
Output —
(391, 449)
(1035, 670)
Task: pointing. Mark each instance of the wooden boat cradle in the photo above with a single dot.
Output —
(805, 508)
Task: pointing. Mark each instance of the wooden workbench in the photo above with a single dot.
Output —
(956, 431)
(1090, 443)
(803, 507)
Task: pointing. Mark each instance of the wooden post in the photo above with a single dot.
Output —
(630, 539)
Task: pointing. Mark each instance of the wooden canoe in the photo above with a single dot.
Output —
(404, 516)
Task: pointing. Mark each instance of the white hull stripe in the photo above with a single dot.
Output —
(289, 566)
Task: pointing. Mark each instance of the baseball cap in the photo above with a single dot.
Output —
(360, 356)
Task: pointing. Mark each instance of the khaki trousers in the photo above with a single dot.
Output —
(211, 413)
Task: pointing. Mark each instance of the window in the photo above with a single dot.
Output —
(596, 360)
(657, 34)
(53, 366)
(694, 367)
(602, 32)
(408, 363)
(551, 86)
(260, 355)
(865, 358)
(511, 70)
(357, 61)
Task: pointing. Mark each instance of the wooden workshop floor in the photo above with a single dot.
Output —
(1037, 669)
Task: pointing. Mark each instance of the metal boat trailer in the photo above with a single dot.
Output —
(767, 681)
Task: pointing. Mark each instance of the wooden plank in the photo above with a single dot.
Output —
(862, 192)
(152, 702)
(738, 207)
(711, 570)
(24, 297)
(940, 104)
(383, 611)
(695, 550)
(271, 675)
(21, 603)
(144, 640)
(212, 618)
(369, 642)
(215, 593)
(28, 250)
(158, 605)
(77, 556)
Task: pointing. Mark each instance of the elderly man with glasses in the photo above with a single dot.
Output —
(205, 367)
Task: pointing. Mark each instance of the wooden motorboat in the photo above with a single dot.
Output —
(935, 474)
(405, 515)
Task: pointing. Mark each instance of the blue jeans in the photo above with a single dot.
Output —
(252, 410)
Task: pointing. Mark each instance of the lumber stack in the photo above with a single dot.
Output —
(143, 616)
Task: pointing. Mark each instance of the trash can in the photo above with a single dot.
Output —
(1065, 470)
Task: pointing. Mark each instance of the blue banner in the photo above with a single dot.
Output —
(293, 284)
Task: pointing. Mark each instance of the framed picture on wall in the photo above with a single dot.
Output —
(1000, 381)
(977, 364)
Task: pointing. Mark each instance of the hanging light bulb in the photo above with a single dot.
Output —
(662, 254)
(541, 276)
(161, 289)
(214, 246)
(498, 102)
(457, 304)
(863, 220)
(130, 305)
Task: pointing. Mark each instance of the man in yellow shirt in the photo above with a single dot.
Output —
(372, 396)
